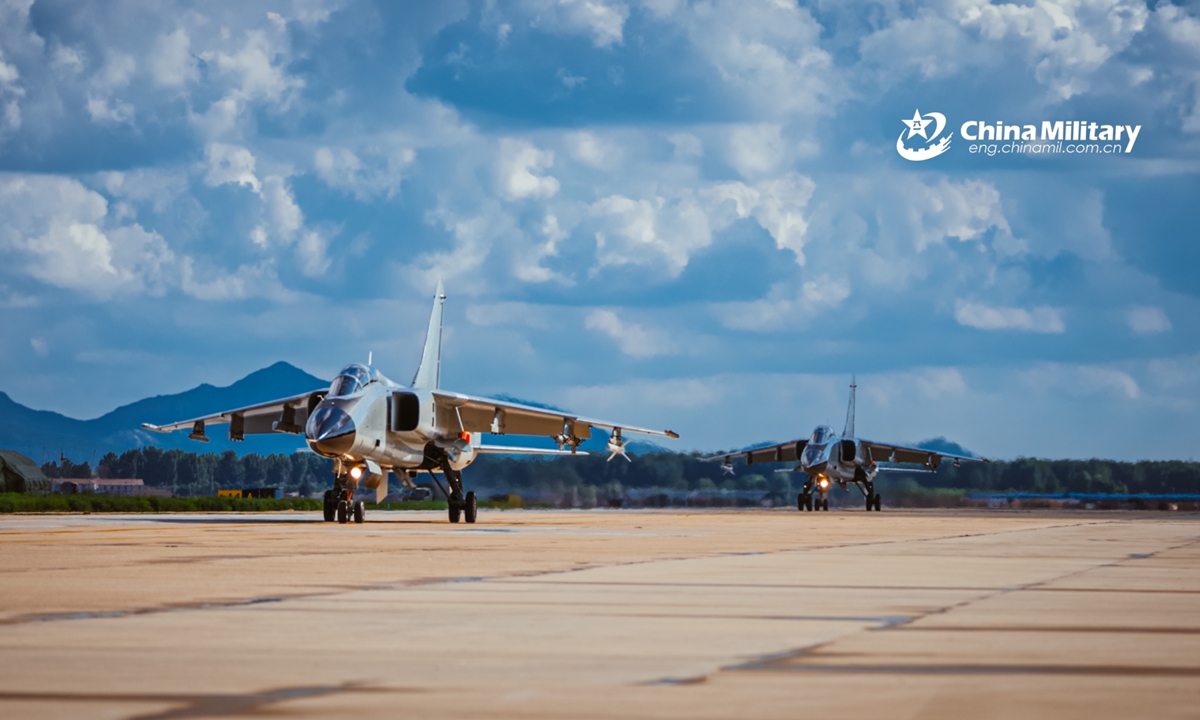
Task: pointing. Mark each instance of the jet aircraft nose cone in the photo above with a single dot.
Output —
(330, 431)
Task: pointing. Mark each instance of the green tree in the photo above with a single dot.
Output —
(254, 470)
(229, 472)
(129, 465)
(279, 470)
(158, 467)
(108, 465)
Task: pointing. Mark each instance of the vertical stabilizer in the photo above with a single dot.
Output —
(849, 431)
(429, 373)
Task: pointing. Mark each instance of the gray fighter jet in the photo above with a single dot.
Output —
(827, 459)
(370, 426)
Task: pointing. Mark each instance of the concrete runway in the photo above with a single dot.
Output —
(600, 614)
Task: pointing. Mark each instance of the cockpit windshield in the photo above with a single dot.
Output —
(350, 380)
(821, 435)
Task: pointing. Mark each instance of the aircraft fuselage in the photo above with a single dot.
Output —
(383, 427)
(828, 459)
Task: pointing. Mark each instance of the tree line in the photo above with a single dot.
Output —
(192, 474)
(680, 471)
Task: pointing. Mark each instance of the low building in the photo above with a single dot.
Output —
(108, 486)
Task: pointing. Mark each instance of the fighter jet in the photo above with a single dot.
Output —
(827, 459)
(370, 426)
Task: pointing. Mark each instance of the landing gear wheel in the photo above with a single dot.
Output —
(870, 503)
(808, 502)
(343, 511)
(456, 502)
(470, 508)
(825, 504)
(878, 501)
(329, 507)
(359, 512)
(800, 502)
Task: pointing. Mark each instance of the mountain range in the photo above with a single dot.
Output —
(35, 432)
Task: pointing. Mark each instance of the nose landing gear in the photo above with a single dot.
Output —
(805, 501)
(811, 498)
(338, 505)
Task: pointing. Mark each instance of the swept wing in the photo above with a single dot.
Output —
(283, 415)
(884, 452)
(500, 417)
(781, 452)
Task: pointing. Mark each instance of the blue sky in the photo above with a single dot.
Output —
(678, 214)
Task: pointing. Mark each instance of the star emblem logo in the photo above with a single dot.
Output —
(935, 143)
(917, 125)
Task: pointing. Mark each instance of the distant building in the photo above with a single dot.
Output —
(20, 474)
(271, 493)
(108, 486)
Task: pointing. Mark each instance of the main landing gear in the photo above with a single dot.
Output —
(872, 498)
(461, 506)
(339, 506)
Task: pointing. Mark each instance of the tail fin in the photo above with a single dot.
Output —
(430, 371)
(849, 431)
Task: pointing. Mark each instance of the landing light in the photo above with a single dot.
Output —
(356, 472)
(824, 483)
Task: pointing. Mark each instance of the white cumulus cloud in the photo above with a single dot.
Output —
(230, 164)
(63, 235)
(777, 204)
(1081, 380)
(986, 317)
(785, 307)
(517, 163)
(649, 231)
(1143, 319)
(171, 60)
(603, 20)
(379, 174)
(632, 338)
